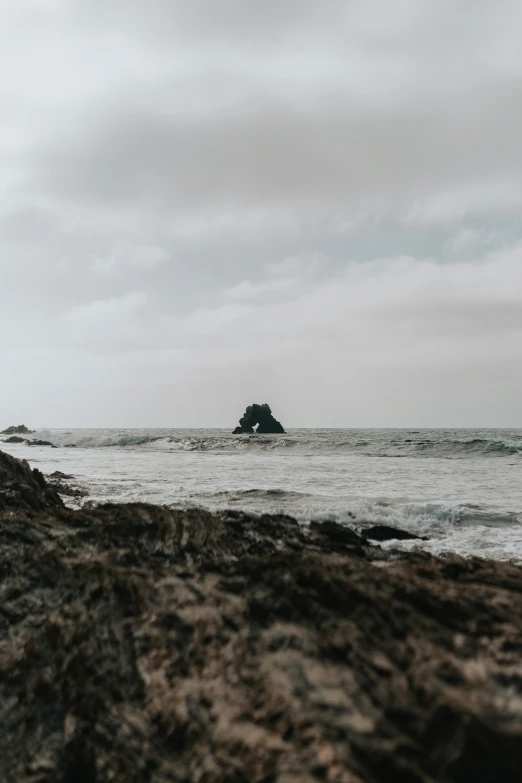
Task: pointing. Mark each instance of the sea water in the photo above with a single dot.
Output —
(461, 488)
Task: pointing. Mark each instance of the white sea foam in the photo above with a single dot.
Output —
(448, 444)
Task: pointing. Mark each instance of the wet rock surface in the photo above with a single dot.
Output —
(259, 416)
(61, 482)
(139, 643)
(22, 488)
(388, 533)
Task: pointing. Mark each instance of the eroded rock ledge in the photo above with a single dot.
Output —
(139, 643)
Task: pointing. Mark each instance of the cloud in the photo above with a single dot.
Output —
(268, 152)
(469, 240)
(391, 342)
(404, 310)
(122, 257)
(337, 183)
(104, 325)
(106, 309)
(203, 20)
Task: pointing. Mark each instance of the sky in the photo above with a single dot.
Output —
(209, 203)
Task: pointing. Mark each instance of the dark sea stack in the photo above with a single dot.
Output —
(140, 643)
(21, 429)
(14, 439)
(259, 416)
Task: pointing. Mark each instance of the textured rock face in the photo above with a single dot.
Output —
(143, 644)
(259, 416)
(22, 488)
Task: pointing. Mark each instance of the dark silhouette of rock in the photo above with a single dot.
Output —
(145, 644)
(260, 416)
(24, 489)
(388, 533)
(17, 439)
(20, 430)
(40, 443)
(57, 481)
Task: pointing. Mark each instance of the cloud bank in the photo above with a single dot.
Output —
(208, 203)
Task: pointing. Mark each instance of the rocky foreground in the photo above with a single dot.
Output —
(143, 644)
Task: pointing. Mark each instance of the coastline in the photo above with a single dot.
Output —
(148, 644)
(428, 483)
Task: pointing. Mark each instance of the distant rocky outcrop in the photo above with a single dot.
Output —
(18, 439)
(259, 416)
(21, 429)
(41, 443)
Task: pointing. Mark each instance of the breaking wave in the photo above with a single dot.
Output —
(419, 518)
(444, 444)
(468, 528)
(458, 488)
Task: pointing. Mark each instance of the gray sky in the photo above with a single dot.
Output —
(206, 203)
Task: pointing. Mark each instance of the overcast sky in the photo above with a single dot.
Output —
(314, 203)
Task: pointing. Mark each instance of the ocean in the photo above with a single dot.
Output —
(460, 488)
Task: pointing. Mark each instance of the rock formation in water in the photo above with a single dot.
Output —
(387, 533)
(259, 416)
(21, 429)
(18, 439)
(40, 443)
(145, 644)
(61, 482)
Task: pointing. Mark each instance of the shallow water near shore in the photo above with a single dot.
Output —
(462, 488)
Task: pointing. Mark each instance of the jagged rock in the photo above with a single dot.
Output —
(20, 430)
(23, 488)
(15, 439)
(57, 481)
(140, 643)
(260, 416)
(388, 533)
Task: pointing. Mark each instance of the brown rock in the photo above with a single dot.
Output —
(22, 488)
(144, 644)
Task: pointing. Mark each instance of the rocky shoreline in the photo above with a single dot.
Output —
(139, 643)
